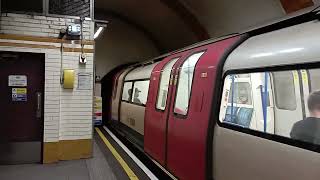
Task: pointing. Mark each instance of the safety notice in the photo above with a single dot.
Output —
(19, 94)
(17, 80)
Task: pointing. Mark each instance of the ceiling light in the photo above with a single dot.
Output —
(98, 32)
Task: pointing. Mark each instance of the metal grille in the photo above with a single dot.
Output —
(70, 7)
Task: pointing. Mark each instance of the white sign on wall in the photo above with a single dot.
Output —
(17, 80)
(84, 81)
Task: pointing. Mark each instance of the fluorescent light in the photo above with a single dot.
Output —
(97, 33)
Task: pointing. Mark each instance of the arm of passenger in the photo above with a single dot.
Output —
(294, 132)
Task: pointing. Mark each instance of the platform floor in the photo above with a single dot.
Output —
(103, 166)
(96, 168)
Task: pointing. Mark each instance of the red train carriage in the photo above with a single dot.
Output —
(211, 107)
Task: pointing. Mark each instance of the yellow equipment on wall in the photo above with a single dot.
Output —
(68, 78)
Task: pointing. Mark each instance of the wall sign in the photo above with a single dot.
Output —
(84, 81)
(17, 80)
(97, 109)
(19, 94)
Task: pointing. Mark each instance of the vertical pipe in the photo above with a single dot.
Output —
(264, 101)
(232, 95)
(92, 9)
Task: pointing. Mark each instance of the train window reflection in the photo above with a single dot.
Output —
(127, 91)
(164, 85)
(185, 84)
(248, 101)
(140, 92)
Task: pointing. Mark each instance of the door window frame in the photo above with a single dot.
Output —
(172, 74)
(177, 74)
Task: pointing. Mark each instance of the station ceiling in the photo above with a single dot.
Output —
(172, 24)
(167, 22)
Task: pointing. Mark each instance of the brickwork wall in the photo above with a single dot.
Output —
(67, 113)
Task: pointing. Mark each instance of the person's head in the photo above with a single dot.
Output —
(136, 92)
(314, 104)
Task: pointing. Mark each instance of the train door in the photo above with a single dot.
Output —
(185, 124)
(157, 108)
(304, 91)
(190, 109)
(262, 101)
(289, 100)
(21, 107)
(116, 100)
(313, 79)
(310, 81)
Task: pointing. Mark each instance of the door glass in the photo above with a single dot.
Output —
(164, 84)
(185, 84)
(242, 93)
(284, 90)
(314, 78)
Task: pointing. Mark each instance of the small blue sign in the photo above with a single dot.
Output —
(19, 94)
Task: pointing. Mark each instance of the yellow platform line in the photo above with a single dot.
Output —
(114, 152)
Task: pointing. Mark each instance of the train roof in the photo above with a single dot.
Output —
(142, 72)
(297, 44)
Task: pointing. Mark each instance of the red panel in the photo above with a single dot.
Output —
(186, 150)
(156, 120)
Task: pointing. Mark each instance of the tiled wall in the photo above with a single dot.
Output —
(67, 113)
(39, 25)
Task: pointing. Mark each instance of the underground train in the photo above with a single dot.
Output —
(224, 109)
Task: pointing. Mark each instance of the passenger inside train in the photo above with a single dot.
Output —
(307, 130)
(136, 96)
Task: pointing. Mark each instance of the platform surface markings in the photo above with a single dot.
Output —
(124, 165)
(130, 154)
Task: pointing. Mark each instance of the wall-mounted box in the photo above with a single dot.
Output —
(68, 78)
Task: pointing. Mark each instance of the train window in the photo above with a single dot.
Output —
(127, 91)
(248, 101)
(164, 84)
(185, 84)
(285, 90)
(140, 92)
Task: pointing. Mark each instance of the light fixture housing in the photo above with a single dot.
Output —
(100, 27)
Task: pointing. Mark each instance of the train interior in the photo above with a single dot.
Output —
(261, 101)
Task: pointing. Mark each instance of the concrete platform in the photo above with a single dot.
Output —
(96, 168)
